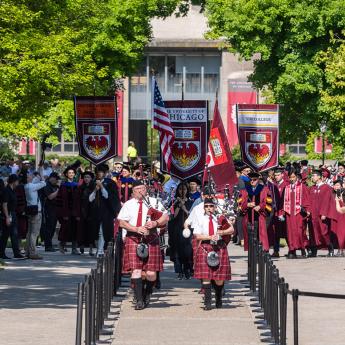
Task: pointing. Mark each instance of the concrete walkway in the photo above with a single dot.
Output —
(175, 315)
(321, 321)
(38, 299)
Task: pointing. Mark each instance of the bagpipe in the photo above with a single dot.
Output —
(229, 208)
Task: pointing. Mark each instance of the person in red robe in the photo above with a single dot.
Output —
(279, 220)
(337, 217)
(296, 207)
(319, 227)
(255, 205)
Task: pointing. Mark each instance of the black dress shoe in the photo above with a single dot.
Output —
(140, 305)
(292, 256)
(180, 276)
(5, 257)
(19, 256)
(50, 249)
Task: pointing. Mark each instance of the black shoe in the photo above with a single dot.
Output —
(303, 253)
(50, 249)
(292, 255)
(180, 276)
(330, 254)
(187, 276)
(312, 252)
(5, 257)
(81, 250)
(140, 305)
(19, 256)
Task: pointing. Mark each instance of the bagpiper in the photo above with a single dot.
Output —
(142, 256)
(212, 263)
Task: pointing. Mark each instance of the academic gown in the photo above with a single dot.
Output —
(320, 199)
(104, 210)
(87, 222)
(259, 196)
(337, 225)
(296, 223)
(68, 212)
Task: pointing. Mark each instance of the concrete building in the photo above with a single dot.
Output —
(184, 63)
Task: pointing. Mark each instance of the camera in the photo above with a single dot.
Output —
(339, 192)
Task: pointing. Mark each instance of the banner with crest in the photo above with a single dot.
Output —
(96, 127)
(258, 133)
(189, 120)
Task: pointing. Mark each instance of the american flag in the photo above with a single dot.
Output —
(161, 122)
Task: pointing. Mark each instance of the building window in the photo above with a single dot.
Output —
(198, 74)
(297, 148)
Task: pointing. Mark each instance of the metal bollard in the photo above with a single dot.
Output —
(93, 305)
(295, 315)
(98, 300)
(275, 328)
(79, 325)
(87, 311)
(283, 289)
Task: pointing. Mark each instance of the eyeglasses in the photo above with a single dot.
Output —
(254, 179)
(208, 206)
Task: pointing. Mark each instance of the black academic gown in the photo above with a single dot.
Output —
(104, 211)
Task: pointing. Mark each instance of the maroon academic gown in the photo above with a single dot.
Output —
(295, 197)
(337, 223)
(320, 199)
(250, 216)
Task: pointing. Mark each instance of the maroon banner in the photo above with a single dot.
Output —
(258, 132)
(96, 127)
(189, 120)
(240, 91)
(219, 157)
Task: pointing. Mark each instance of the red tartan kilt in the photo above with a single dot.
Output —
(203, 271)
(131, 261)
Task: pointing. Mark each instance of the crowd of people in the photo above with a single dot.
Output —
(140, 207)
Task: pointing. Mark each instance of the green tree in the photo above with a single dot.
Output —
(291, 37)
(51, 50)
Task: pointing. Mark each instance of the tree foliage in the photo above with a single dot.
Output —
(51, 50)
(299, 58)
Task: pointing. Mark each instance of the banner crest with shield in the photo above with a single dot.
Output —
(96, 127)
(189, 120)
(258, 132)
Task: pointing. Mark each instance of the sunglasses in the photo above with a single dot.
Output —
(207, 206)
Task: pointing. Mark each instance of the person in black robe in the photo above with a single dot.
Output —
(89, 232)
(181, 252)
(105, 207)
(67, 211)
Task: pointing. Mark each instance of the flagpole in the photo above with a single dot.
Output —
(151, 135)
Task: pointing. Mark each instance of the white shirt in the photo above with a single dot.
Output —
(197, 211)
(130, 209)
(31, 194)
(201, 226)
(14, 169)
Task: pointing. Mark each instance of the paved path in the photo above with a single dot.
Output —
(175, 315)
(38, 299)
(321, 321)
